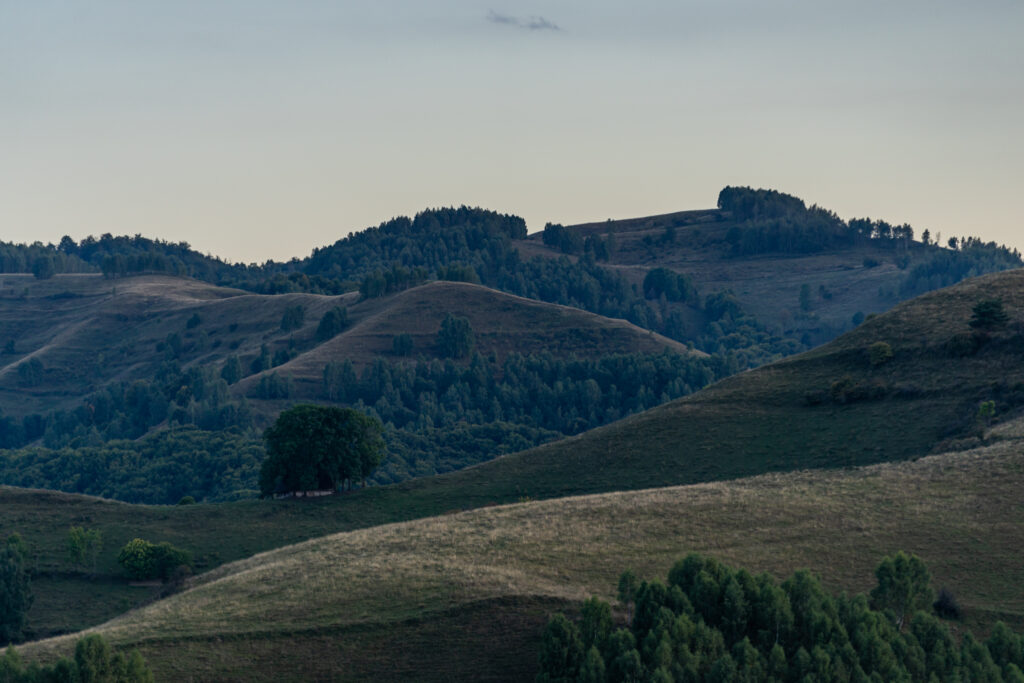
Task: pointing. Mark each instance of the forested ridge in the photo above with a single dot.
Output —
(439, 416)
(481, 246)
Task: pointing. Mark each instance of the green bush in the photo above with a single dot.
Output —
(879, 353)
(144, 560)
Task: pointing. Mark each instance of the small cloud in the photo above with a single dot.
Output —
(541, 24)
(496, 18)
(530, 24)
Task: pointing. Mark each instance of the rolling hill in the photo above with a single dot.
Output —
(87, 331)
(502, 324)
(464, 596)
(830, 408)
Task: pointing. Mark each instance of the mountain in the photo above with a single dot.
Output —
(762, 275)
(830, 407)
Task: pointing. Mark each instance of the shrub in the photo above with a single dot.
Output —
(964, 344)
(989, 315)
(946, 605)
(402, 344)
(879, 353)
(144, 560)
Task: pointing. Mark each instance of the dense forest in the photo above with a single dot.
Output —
(439, 416)
(713, 623)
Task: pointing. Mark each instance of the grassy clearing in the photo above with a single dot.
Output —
(960, 512)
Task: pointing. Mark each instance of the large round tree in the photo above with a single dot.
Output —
(312, 447)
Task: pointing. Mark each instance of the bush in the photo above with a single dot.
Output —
(402, 344)
(144, 560)
(293, 318)
(879, 353)
(946, 605)
(964, 344)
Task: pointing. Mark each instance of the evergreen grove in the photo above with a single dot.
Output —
(710, 622)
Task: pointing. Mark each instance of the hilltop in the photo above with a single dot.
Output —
(502, 324)
(87, 331)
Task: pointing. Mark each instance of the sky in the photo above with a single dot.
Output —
(257, 129)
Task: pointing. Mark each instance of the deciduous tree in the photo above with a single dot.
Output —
(319, 447)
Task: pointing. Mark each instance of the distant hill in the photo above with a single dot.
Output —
(830, 407)
(502, 324)
(766, 275)
(92, 363)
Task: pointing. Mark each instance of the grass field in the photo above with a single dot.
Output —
(509, 565)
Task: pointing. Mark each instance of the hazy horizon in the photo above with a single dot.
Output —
(257, 131)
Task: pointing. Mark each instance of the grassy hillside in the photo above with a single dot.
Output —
(92, 365)
(825, 408)
(87, 331)
(495, 572)
(780, 417)
(502, 323)
(867, 276)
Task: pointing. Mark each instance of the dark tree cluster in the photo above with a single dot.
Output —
(127, 410)
(768, 221)
(311, 447)
(559, 394)
(947, 267)
(710, 622)
(748, 204)
(566, 241)
(455, 339)
(94, 662)
(15, 590)
(672, 285)
(159, 468)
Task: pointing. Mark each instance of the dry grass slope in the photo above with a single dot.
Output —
(961, 512)
(88, 331)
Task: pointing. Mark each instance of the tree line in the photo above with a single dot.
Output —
(711, 622)
(184, 434)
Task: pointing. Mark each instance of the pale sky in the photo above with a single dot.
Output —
(259, 129)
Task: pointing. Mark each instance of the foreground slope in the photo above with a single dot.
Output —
(466, 594)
